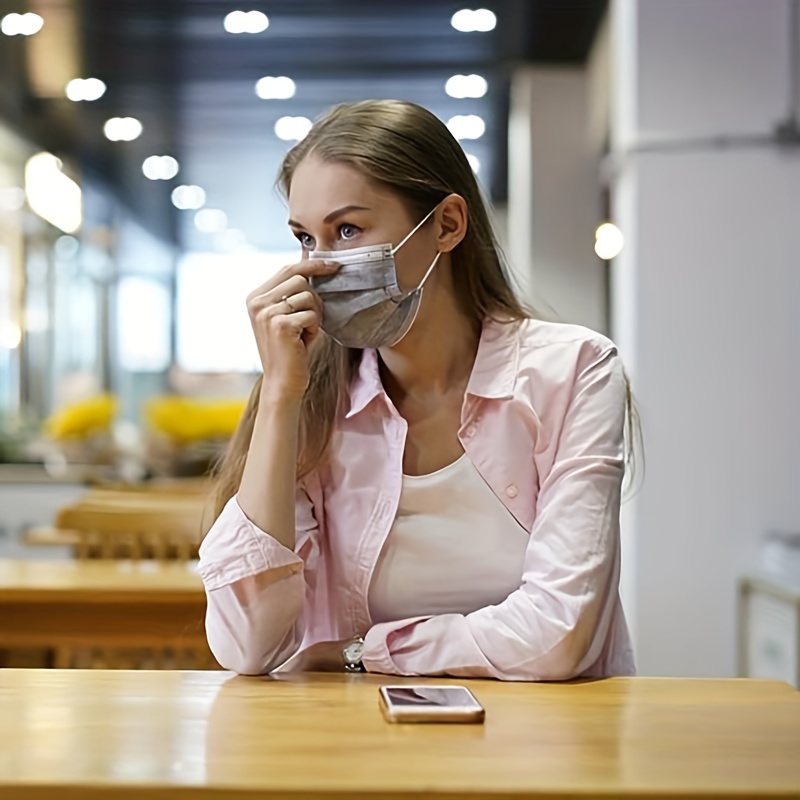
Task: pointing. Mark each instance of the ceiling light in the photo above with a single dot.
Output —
(122, 129)
(211, 220)
(467, 21)
(188, 197)
(246, 22)
(478, 21)
(462, 86)
(292, 129)
(280, 88)
(21, 24)
(12, 198)
(474, 162)
(608, 241)
(85, 89)
(160, 168)
(51, 194)
(466, 126)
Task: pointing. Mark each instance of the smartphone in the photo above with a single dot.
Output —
(430, 704)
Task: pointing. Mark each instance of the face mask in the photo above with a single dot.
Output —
(363, 306)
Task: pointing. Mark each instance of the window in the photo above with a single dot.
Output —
(213, 329)
(144, 318)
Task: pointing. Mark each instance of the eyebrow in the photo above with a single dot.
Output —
(333, 215)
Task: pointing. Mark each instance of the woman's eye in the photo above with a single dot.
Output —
(306, 240)
(348, 231)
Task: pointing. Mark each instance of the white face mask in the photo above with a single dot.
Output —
(363, 306)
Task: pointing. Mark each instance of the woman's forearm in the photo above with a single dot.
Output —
(267, 492)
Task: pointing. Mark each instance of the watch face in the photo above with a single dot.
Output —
(353, 652)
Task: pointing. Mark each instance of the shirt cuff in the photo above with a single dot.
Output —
(235, 548)
(377, 656)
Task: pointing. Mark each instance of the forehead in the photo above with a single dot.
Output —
(319, 187)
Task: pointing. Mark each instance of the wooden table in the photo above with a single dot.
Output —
(73, 735)
(104, 604)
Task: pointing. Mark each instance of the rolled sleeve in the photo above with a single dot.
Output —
(256, 588)
(235, 548)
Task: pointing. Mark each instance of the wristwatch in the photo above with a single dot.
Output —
(352, 655)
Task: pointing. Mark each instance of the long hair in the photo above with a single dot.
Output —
(408, 150)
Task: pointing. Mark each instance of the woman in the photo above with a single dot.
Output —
(427, 480)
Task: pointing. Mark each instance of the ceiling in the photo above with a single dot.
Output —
(171, 64)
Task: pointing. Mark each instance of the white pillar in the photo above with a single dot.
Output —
(706, 299)
(554, 195)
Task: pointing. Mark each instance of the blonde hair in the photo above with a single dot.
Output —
(408, 150)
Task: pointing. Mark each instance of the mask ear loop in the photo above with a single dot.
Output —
(435, 260)
(424, 220)
(430, 269)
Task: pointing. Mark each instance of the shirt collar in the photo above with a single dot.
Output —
(495, 370)
(493, 374)
(366, 384)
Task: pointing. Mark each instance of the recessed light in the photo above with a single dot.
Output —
(280, 88)
(462, 86)
(480, 20)
(160, 168)
(292, 129)
(87, 89)
(122, 129)
(466, 126)
(21, 24)
(246, 22)
(188, 197)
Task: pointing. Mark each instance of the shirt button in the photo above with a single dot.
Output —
(511, 491)
(470, 432)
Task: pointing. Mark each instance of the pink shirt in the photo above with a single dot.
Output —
(542, 421)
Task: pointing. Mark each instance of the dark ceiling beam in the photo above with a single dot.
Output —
(562, 31)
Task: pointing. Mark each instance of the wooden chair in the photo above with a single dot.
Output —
(179, 486)
(112, 524)
(138, 526)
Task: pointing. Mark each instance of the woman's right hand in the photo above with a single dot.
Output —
(286, 315)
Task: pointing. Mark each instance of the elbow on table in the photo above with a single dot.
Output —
(250, 660)
(567, 660)
(524, 660)
(251, 625)
(231, 655)
(253, 643)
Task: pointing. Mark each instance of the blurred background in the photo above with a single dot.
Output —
(642, 162)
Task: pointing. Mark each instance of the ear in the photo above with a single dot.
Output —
(452, 220)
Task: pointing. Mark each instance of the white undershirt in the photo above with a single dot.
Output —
(453, 548)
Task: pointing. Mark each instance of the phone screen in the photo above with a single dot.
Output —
(441, 696)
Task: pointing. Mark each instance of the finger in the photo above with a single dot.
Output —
(294, 274)
(311, 267)
(299, 323)
(304, 301)
(302, 270)
(297, 292)
(258, 299)
(295, 285)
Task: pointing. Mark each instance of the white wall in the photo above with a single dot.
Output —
(554, 195)
(707, 313)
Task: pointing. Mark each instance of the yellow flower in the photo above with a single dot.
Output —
(185, 420)
(83, 419)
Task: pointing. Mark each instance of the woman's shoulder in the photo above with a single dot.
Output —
(542, 339)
